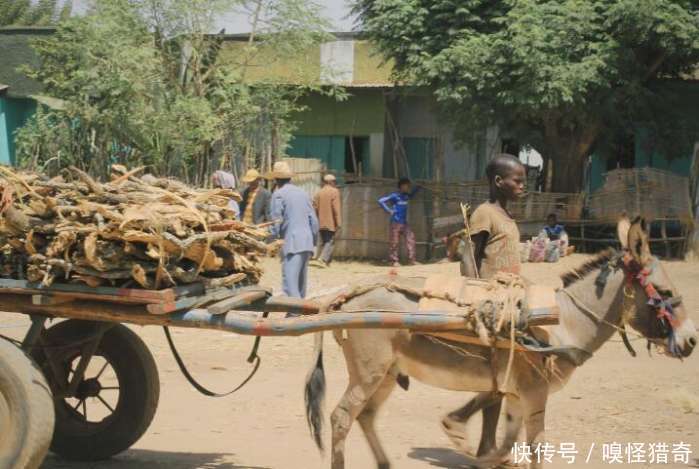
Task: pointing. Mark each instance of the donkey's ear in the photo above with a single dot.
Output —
(622, 230)
(638, 241)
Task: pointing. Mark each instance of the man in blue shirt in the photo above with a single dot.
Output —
(396, 204)
(297, 225)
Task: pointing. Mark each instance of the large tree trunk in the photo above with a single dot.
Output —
(568, 172)
(568, 151)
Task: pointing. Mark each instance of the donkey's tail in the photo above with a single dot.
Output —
(315, 393)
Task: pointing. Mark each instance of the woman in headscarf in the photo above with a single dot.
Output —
(226, 180)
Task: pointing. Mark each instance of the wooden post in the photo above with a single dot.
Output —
(582, 236)
(663, 234)
(637, 192)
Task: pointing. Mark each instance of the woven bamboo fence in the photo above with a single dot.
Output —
(652, 193)
(434, 213)
(308, 173)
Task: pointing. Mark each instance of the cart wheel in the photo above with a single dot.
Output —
(26, 408)
(115, 401)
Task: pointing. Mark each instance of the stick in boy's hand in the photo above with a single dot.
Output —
(469, 242)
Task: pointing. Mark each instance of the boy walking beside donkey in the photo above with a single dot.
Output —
(494, 232)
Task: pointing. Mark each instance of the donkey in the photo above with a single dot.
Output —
(605, 294)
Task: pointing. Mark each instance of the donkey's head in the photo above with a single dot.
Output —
(653, 305)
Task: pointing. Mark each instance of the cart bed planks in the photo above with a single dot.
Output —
(106, 294)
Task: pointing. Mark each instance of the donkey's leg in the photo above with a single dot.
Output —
(368, 414)
(491, 414)
(513, 426)
(369, 356)
(454, 423)
(534, 408)
(351, 404)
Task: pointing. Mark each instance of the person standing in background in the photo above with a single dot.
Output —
(225, 180)
(396, 205)
(255, 208)
(297, 225)
(329, 211)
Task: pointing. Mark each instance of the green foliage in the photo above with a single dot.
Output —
(143, 84)
(27, 13)
(554, 73)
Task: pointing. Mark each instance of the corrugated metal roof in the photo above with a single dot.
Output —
(355, 84)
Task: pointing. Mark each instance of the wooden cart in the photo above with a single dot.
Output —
(93, 357)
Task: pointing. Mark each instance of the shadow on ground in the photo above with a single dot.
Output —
(439, 457)
(146, 459)
(445, 458)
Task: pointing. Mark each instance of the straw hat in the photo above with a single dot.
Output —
(251, 175)
(282, 170)
(329, 178)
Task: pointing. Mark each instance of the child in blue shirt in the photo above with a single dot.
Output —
(552, 228)
(396, 204)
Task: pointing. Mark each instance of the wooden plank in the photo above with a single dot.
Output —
(285, 304)
(466, 338)
(51, 300)
(117, 295)
(190, 302)
(237, 301)
(544, 317)
(193, 289)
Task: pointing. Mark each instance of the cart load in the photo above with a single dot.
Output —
(132, 232)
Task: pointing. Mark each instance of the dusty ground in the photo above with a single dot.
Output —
(613, 398)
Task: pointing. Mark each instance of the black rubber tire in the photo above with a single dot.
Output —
(77, 439)
(26, 410)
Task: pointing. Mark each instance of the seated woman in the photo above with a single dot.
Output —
(225, 180)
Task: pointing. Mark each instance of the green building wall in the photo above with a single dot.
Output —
(326, 125)
(644, 157)
(684, 98)
(14, 112)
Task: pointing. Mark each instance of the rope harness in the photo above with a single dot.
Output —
(664, 307)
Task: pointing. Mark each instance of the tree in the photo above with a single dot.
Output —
(144, 83)
(555, 74)
(26, 13)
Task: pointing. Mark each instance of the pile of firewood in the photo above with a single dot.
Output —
(130, 232)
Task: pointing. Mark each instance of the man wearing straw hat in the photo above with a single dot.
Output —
(297, 226)
(255, 208)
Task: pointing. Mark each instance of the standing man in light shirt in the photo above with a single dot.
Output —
(255, 208)
(329, 210)
(297, 227)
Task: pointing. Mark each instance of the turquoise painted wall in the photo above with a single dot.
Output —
(682, 97)
(330, 149)
(14, 112)
(644, 158)
(420, 155)
(680, 164)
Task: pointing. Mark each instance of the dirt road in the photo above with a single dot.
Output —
(613, 398)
